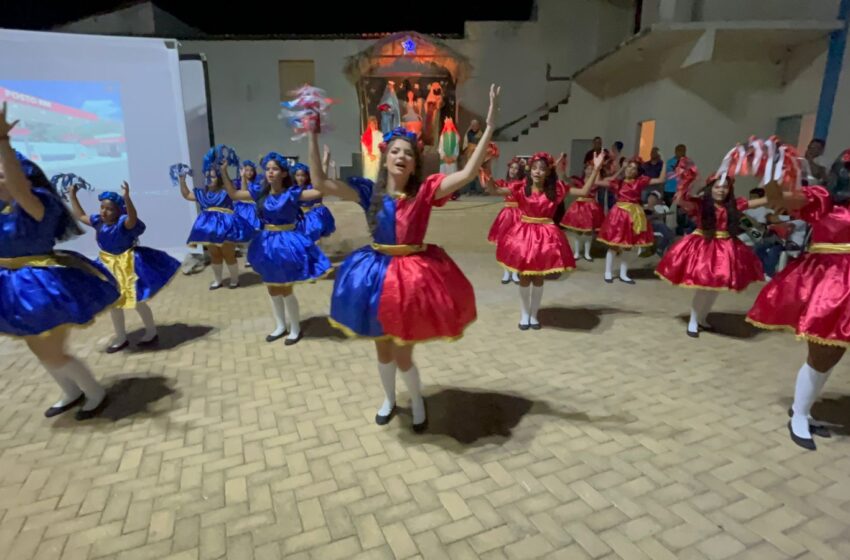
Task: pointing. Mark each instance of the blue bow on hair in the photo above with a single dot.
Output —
(400, 132)
(218, 155)
(249, 163)
(275, 157)
(64, 181)
(113, 197)
(300, 167)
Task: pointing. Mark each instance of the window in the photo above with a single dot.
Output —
(646, 138)
(292, 74)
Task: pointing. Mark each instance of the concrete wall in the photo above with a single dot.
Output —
(655, 11)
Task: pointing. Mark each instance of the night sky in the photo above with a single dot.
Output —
(283, 18)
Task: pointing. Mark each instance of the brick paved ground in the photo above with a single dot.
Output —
(609, 434)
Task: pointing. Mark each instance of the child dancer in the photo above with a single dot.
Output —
(509, 215)
(318, 221)
(141, 272)
(584, 217)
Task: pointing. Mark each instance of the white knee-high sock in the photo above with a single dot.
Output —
(217, 273)
(515, 277)
(577, 246)
(696, 306)
(291, 304)
(609, 264)
(536, 298)
(624, 265)
(524, 304)
(233, 269)
(506, 277)
(588, 242)
(77, 372)
(279, 313)
(708, 300)
(387, 373)
(70, 391)
(117, 316)
(144, 311)
(806, 391)
(414, 387)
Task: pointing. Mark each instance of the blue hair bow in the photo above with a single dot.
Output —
(113, 197)
(275, 157)
(300, 167)
(400, 132)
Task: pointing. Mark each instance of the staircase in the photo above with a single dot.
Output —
(542, 118)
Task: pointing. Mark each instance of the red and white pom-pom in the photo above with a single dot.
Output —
(787, 171)
(685, 174)
(307, 111)
(729, 165)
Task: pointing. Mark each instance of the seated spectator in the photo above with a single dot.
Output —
(657, 212)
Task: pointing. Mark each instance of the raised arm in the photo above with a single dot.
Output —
(459, 179)
(598, 160)
(76, 207)
(184, 189)
(243, 195)
(321, 182)
(132, 215)
(16, 181)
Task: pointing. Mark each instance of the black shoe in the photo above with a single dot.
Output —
(145, 343)
(88, 414)
(506, 282)
(535, 326)
(291, 341)
(817, 429)
(273, 337)
(215, 286)
(624, 281)
(588, 259)
(706, 328)
(524, 327)
(384, 420)
(608, 280)
(419, 428)
(117, 347)
(233, 286)
(57, 410)
(692, 334)
(802, 442)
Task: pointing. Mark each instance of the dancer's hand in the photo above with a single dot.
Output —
(125, 189)
(5, 125)
(599, 160)
(494, 105)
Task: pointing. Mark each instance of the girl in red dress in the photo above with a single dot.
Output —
(535, 247)
(509, 215)
(626, 227)
(712, 258)
(583, 218)
(811, 298)
(398, 290)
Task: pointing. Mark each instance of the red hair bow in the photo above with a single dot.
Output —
(542, 156)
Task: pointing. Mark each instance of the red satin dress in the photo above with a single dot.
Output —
(535, 245)
(811, 296)
(507, 217)
(718, 262)
(585, 214)
(626, 225)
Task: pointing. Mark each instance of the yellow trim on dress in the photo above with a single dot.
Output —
(396, 340)
(830, 248)
(511, 205)
(695, 287)
(58, 258)
(800, 336)
(398, 250)
(537, 272)
(279, 227)
(623, 245)
(636, 213)
(533, 220)
(579, 230)
(219, 209)
(123, 268)
(718, 234)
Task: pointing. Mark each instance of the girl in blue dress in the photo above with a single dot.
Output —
(141, 272)
(217, 227)
(318, 221)
(247, 180)
(43, 292)
(281, 253)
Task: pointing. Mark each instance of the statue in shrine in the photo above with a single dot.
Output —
(370, 143)
(389, 108)
(449, 147)
(412, 120)
(433, 105)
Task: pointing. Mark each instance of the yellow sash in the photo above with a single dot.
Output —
(123, 268)
(397, 250)
(717, 234)
(533, 220)
(827, 248)
(58, 258)
(637, 215)
(281, 227)
(220, 209)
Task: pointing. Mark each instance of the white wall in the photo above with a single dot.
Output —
(839, 131)
(702, 108)
(244, 81)
(734, 10)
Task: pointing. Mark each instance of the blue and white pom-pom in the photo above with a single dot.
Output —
(64, 182)
(179, 170)
(307, 111)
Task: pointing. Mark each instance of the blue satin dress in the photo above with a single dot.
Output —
(247, 210)
(218, 223)
(318, 221)
(141, 272)
(40, 288)
(281, 253)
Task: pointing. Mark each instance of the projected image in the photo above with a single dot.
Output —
(70, 127)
